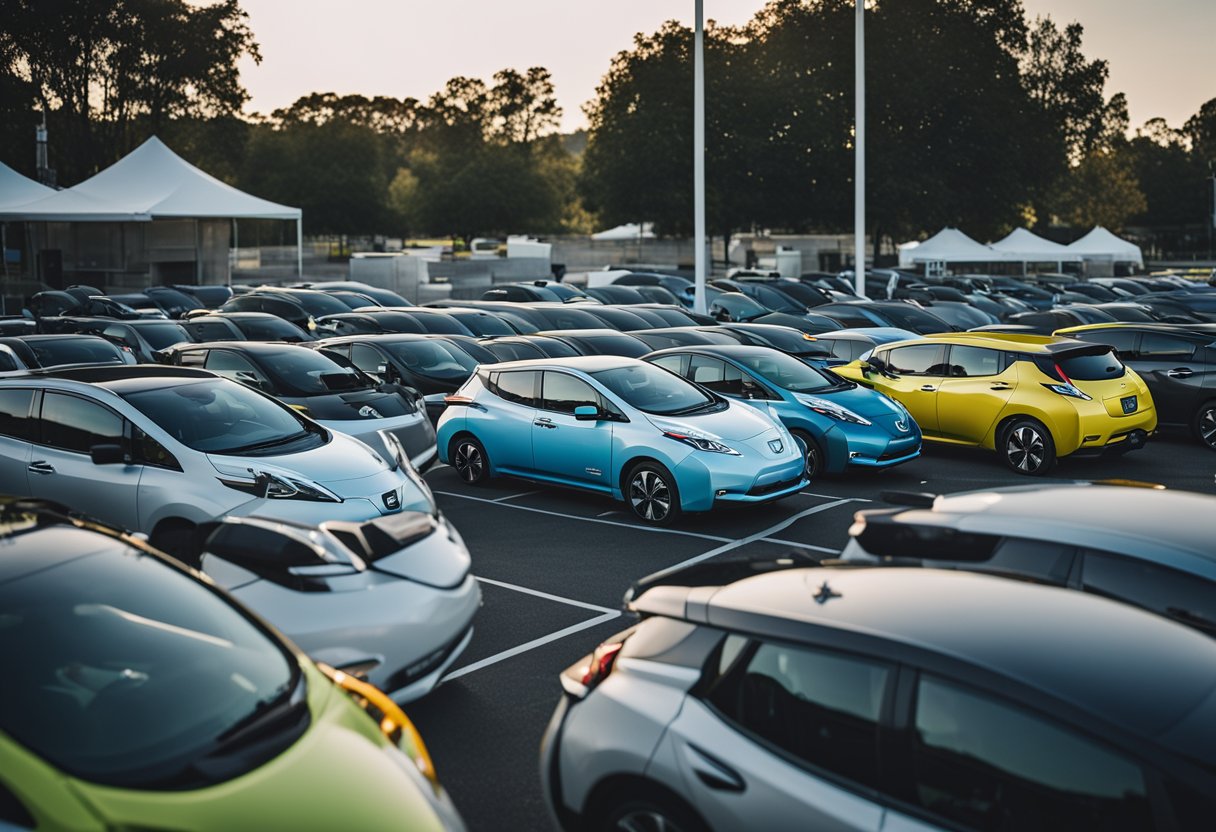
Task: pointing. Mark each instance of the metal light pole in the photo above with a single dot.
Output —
(698, 156)
(859, 153)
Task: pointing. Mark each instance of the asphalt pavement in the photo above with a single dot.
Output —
(554, 564)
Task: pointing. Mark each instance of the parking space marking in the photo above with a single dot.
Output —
(834, 497)
(514, 496)
(718, 538)
(827, 549)
(605, 616)
(761, 535)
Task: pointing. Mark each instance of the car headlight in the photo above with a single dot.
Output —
(280, 487)
(833, 410)
(701, 442)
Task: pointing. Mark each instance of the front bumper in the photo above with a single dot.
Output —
(704, 479)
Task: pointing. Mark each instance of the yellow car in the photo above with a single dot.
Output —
(1030, 398)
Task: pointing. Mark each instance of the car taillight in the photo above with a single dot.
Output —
(583, 676)
(1062, 375)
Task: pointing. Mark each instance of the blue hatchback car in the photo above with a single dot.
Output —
(836, 423)
(618, 426)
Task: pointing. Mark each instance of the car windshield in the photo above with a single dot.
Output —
(802, 293)
(269, 329)
(615, 343)
(319, 303)
(222, 417)
(87, 350)
(566, 318)
(133, 675)
(299, 371)
(484, 324)
(786, 371)
(654, 390)
(674, 317)
(163, 335)
(433, 359)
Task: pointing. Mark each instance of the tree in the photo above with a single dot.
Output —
(109, 74)
(1200, 130)
(1101, 190)
(1169, 177)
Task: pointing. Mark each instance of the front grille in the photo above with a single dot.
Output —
(424, 665)
(761, 490)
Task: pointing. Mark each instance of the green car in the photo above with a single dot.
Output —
(137, 695)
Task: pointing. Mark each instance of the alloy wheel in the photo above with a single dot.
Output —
(650, 496)
(646, 820)
(1026, 449)
(1207, 426)
(469, 462)
(810, 457)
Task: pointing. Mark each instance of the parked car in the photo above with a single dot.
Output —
(836, 423)
(1047, 322)
(601, 342)
(391, 598)
(384, 297)
(623, 319)
(164, 299)
(192, 447)
(892, 313)
(1176, 362)
(148, 698)
(287, 307)
(335, 395)
(143, 338)
(1144, 546)
(432, 366)
(787, 339)
(1032, 399)
(961, 315)
(684, 336)
(762, 696)
(536, 290)
(619, 427)
(52, 304)
(625, 295)
(244, 326)
(524, 347)
(847, 345)
(48, 351)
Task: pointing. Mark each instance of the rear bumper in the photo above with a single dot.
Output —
(561, 816)
(1103, 434)
(1117, 443)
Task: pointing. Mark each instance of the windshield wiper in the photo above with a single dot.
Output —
(269, 711)
(269, 443)
(697, 408)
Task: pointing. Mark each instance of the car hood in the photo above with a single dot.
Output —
(736, 422)
(864, 402)
(301, 788)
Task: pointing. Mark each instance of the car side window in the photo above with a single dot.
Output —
(1124, 343)
(819, 707)
(366, 358)
(1157, 346)
(1186, 598)
(967, 362)
(15, 420)
(916, 360)
(517, 387)
(716, 375)
(192, 358)
(75, 424)
(986, 765)
(211, 331)
(674, 363)
(150, 452)
(563, 393)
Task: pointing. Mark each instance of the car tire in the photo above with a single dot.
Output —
(470, 460)
(1027, 447)
(648, 812)
(812, 454)
(1204, 424)
(651, 493)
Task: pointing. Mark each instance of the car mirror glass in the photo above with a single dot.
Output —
(586, 413)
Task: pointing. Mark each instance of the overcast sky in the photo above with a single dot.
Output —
(1162, 53)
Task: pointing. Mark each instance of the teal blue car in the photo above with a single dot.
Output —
(838, 425)
(620, 427)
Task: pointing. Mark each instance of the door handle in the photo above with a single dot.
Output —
(41, 467)
(544, 423)
(927, 388)
(1180, 372)
(1000, 387)
(714, 773)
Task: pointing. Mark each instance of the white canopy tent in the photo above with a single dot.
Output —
(949, 246)
(1102, 246)
(150, 183)
(16, 189)
(1028, 247)
(628, 231)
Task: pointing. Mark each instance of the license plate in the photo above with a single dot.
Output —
(1129, 404)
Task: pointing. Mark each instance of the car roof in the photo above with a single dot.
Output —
(1104, 657)
(874, 334)
(582, 363)
(1106, 517)
(1196, 331)
(1010, 341)
(255, 347)
(126, 378)
(732, 351)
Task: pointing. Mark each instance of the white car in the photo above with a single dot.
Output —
(161, 450)
(390, 599)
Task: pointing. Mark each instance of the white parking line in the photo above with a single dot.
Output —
(514, 496)
(587, 519)
(834, 497)
(605, 616)
(811, 546)
(758, 536)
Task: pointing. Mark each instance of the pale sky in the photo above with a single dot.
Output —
(1162, 53)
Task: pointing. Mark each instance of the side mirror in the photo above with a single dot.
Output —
(587, 413)
(876, 364)
(107, 454)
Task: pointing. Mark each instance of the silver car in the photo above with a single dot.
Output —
(161, 450)
(855, 699)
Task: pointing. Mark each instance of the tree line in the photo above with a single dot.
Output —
(976, 117)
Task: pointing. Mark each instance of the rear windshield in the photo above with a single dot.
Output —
(88, 350)
(319, 303)
(914, 319)
(1091, 367)
(484, 324)
(299, 371)
(433, 359)
(164, 335)
(269, 329)
(612, 344)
